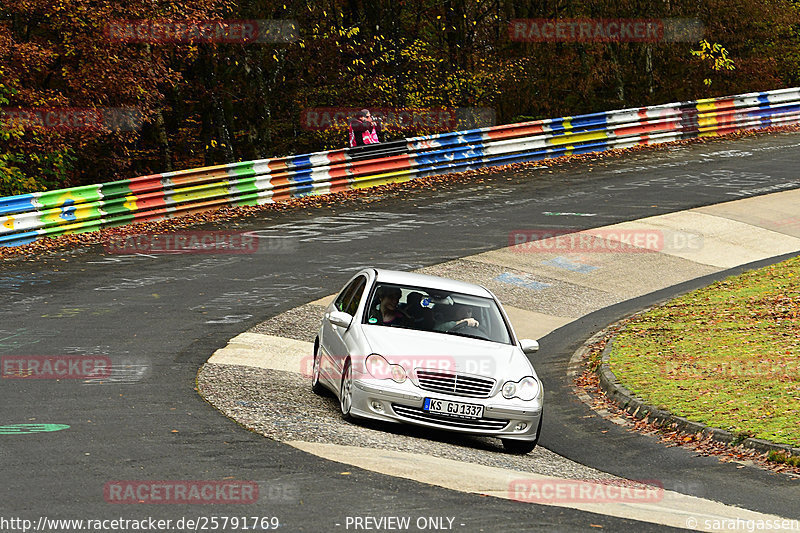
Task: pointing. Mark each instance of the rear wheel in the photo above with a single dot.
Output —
(346, 392)
(316, 386)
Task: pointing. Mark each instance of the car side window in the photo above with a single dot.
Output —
(348, 299)
(351, 306)
(346, 293)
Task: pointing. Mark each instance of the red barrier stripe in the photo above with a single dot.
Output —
(340, 184)
(277, 164)
(339, 172)
(282, 195)
(664, 126)
(376, 166)
(518, 131)
(280, 181)
(338, 156)
(144, 184)
(153, 214)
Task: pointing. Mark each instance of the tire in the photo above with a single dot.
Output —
(346, 391)
(522, 447)
(316, 386)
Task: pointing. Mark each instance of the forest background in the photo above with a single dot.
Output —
(204, 103)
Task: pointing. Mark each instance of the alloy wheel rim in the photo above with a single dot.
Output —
(317, 365)
(347, 384)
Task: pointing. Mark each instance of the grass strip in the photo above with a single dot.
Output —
(727, 355)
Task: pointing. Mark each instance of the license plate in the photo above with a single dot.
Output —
(456, 409)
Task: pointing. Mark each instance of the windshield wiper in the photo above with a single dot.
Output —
(467, 335)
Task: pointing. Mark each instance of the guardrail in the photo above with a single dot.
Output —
(27, 217)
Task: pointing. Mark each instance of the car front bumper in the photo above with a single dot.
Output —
(404, 404)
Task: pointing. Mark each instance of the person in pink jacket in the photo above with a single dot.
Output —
(363, 130)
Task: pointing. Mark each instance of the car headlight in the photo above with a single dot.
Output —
(379, 368)
(525, 389)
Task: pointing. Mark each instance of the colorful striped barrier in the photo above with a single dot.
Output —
(27, 217)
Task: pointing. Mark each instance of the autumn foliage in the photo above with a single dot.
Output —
(201, 103)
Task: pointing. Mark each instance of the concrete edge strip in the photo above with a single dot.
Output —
(653, 504)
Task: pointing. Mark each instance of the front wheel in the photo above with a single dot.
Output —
(346, 391)
(520, 447)
(316, 386)
(523, 446)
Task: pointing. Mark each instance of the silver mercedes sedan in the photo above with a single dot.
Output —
(434, 352)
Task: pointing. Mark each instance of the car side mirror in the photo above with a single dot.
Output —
(340, 318)
(529, 346)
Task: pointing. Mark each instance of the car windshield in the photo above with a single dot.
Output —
(427, 309)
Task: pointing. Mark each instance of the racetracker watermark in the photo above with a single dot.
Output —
(750, 525)
(54, 367)
(788, 222)
(92, 119)
(431, 368)
(188, 242)
(768, 369)
(193, 523)
(603, 240)
(164, 31)
(400, 523)
(587, 30)
(181, 492)
(434, 119)
(557, 491)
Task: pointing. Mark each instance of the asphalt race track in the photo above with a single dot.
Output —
(159, 317)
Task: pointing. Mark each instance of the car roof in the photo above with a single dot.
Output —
(432, 282)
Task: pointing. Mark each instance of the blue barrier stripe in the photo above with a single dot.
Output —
(301, 176)
(20, 203)
(18, 239)
(585, 121)
(589, 125)
(452, 139)
(557, 126)
(461, 167)
(776, 110)
(444, 157)
(299, 161)
(472, 138)
(519, 158)
(599, 147)
(299, 191)
(545, 153)
(505, 159)
(439, 152)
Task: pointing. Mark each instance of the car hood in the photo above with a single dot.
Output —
(425, 349)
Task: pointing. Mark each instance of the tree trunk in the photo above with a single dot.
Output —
(163, 141)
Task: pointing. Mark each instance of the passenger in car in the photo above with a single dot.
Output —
(385, 311)
(461, 317)
(421, 317)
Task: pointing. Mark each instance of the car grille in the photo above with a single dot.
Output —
(456, 384)
(416, 413)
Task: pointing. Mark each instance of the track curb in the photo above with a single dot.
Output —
(635, 406)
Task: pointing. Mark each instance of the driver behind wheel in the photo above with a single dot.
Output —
(461, 316)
